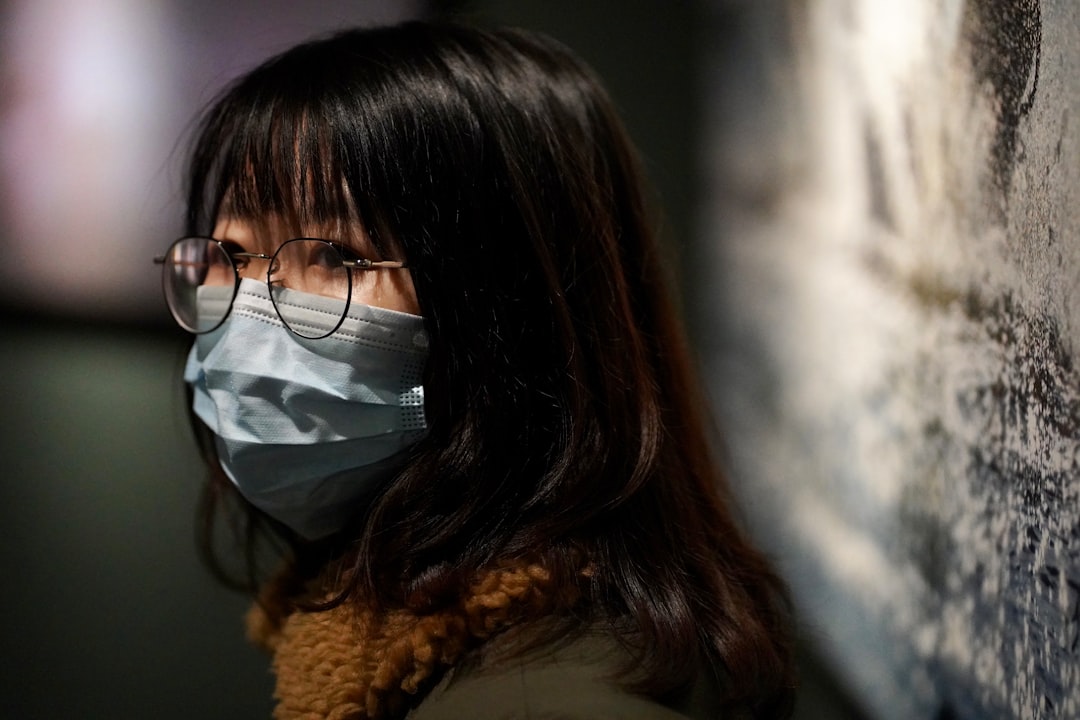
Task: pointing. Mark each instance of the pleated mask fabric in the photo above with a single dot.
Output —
(308, 430)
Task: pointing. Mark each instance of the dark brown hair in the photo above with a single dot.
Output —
(565, 423)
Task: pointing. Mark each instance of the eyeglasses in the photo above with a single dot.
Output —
(198, 269)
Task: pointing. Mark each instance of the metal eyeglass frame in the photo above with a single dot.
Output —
(349, 265)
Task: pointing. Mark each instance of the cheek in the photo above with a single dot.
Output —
(390, 289)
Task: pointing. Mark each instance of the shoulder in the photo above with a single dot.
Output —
(567, 681)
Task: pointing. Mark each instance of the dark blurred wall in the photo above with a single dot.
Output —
(646, 52)
(894, 247)
(106, 610)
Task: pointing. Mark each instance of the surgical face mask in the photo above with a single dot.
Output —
(308, 430)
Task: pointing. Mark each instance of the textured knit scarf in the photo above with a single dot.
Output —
(348, 663)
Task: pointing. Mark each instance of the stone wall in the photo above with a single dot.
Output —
(890, 319)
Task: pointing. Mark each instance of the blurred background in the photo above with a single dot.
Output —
(871, 211)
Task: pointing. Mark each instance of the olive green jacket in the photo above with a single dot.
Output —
(567, 682)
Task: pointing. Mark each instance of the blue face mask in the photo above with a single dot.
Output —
(308, 430)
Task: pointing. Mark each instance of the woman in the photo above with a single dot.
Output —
(467, 405)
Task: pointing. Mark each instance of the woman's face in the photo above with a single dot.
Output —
(388, 288)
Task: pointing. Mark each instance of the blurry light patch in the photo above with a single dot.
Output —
(94, 102)
(86, 123)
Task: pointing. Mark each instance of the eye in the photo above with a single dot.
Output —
(325, 255)
(232, 248)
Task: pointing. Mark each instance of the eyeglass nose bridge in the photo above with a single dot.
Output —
(254, 256)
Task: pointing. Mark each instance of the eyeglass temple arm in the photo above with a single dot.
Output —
(363, 264)
(160, 259)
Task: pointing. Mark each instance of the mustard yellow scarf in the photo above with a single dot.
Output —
(349, 663)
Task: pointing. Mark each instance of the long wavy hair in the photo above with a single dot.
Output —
(565, 422)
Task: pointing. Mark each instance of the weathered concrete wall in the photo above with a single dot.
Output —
(894, 298)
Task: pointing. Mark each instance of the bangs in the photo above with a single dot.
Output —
(366, 131)
(287, 170)
(277, 157)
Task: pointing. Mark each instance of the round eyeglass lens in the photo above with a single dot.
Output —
(310, 286)
(199, 281)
